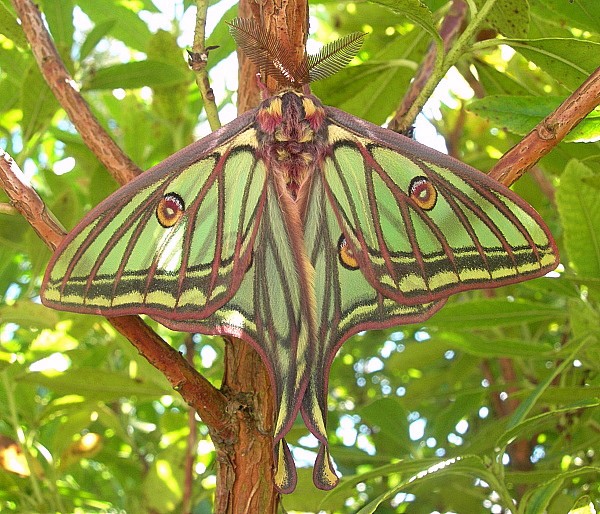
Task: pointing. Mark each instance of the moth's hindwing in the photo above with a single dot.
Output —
(346, 304)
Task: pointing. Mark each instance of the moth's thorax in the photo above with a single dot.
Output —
(292, 135)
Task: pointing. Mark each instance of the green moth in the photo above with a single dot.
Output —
(294, 227)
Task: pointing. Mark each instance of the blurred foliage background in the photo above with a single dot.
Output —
(492, 401)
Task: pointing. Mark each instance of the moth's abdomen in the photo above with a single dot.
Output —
(292, 135)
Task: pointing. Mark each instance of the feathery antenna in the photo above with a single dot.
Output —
(269, 56)
(334, 56)
(263, 49)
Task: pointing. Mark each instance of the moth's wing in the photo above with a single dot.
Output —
(272, 310)
(121, 260)
(233, 264)
(346, 304)
(423, 225)
(392, 228)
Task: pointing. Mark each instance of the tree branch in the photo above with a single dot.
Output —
(549, 132)
(451, 27)
(198, 62)
(65, 90)
(26, 201)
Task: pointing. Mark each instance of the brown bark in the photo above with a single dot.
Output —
(549, 132)
(245, 460)
(288, 20)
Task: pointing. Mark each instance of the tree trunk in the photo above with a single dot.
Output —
(245, 461)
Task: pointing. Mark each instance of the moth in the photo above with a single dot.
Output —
(294, 227)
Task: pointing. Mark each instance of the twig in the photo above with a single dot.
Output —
(549, 132)
(451, 26)
(64, 89)
(198, 61)
(196, 390)
(455, 52)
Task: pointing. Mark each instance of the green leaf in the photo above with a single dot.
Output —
(50, 341)
(498, 83)
(569, 61)
(537, 423)
(509, 17)
(37, 102)
(520, 114)
(163, 484)
(15, 65)
(581, 14)
(490, 348)
(95, 35)
(579, 210)
(567, 395)
(10, 28)
(347, 485)
(94, 383)
(418, 355)
(462, 405)
(468, 466)
(133, 75)
(129, 27)
(59, 15)
(9, 96)
(521, 412)
(584, 318)
(169, 102)
(28, 314)
(373, 78)
(479, 314)
(416, 11)
(539, 499)
(388, 419)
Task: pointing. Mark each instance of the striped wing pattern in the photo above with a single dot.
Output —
(120, 259)
(346, 304)
(409, 258)
(211, 240)
(224, 268)
(477, 233)
(270, 311)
